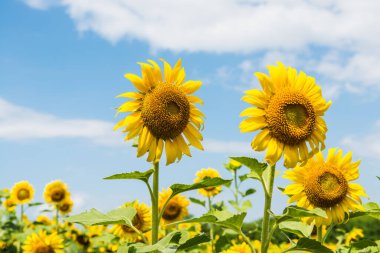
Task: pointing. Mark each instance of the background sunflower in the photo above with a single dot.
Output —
(326, 184)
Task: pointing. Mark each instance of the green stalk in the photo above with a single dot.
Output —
(236, 188)
(57, 218)
(22, 217)
(211, 226)
(319, 234)
(265, 238)
(328, 233)
(247, 241)
(155, 221)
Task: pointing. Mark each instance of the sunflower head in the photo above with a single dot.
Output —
(10, 205)
(142, 221)
(353, 235)
(66, 206)
(22, 192)
(288, 112)
(327, 184)
(176, 209)
(56, 192)
(43, 219)
(238, 248)
(41, 242)
(162, 112)
(232, 165)
(208, 191)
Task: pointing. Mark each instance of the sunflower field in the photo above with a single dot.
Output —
(162, 119)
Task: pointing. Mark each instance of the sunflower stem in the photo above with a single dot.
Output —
(248, 241)
(328, 232)
(211, 226)
(319, 234)
(22, 218)
(155, 221)
(57, 218)
(265, 237)
(236, 188)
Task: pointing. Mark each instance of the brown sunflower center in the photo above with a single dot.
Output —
(44, 249)
(172, 212)
(165, 111)
(290, 116)
(58, 195)
(325, 187)
(64, 207)
(136, 222)
(23, 194)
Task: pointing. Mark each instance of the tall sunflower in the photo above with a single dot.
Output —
(208, 191)
(66, 206)
(56, 192)
(327, 185)
(42, 243)
(162, 112)
(288, 111)
(142, 222)
(176, 209)
(22, 192)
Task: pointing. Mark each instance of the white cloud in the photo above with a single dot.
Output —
(367, 145)
(229, 147)
(19, 123)
(228, 25)
(341, 33)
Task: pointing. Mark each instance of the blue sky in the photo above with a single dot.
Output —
(62, 64)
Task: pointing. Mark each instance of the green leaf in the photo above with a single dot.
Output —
(309, 245)
(123, 215)
(243, 177)
(296, 227)
(207, 182)
(35, 204)
(143, 176)
(198, 202)
(371, 209)
(195, 241)
(378, 177)
(244, 206)
(258, 170)
(174, 241)
(255, 166)
(292, 212)
(248, 192)
(221, 218)
(363, 246)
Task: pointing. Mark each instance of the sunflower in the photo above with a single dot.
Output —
(353, 235)
(208, 191)
(66, 206)
(43, 219)
(22, 192)
(56, 192)
(42, 243)
(10, 205)
(176, 209)
(289, 114)
(238, 248)
(161, 110)
(232, 165)
(142, 222)
(326, 184)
